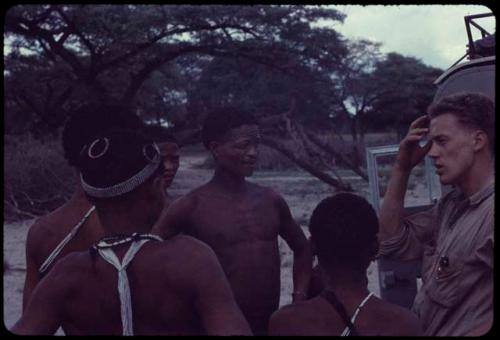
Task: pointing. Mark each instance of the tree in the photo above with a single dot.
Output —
(113, 50)
(405, 89)
(170, 63)
(356, 90)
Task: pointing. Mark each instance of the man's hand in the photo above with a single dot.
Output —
(410, 152)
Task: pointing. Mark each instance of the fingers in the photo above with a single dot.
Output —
(416, 135)
(419, 131)
(421, 121)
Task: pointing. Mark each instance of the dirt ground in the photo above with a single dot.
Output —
(301, 191)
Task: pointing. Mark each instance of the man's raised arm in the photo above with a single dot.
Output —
(409, 155)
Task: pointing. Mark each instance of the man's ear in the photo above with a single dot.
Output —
(480, 140)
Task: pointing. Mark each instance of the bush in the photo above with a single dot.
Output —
(37, 178)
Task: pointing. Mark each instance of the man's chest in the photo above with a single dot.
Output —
(222, 222)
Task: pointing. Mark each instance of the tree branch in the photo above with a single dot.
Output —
(337, 155)
(305, 165)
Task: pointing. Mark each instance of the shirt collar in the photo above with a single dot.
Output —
(481, 195)
(476, 198)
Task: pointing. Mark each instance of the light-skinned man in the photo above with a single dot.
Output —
(455, 238)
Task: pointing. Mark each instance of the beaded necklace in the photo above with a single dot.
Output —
(116, 240)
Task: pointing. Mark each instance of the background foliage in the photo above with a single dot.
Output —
(309, 86)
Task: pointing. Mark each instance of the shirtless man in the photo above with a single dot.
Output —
(241, 220)
(74, 226)
(344, 231)
(129, 283)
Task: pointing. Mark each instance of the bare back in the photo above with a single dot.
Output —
(177, 287)
(48, 231)
(316, 317)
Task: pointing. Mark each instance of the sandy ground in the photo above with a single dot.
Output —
(14, 247)
(300, 190)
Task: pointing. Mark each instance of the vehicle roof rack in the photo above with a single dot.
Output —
(480, 48)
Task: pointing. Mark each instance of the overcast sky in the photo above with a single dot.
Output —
(435, 34)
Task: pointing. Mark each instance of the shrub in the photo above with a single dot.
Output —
(37, 178)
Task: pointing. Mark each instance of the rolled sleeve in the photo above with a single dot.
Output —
(417, 231)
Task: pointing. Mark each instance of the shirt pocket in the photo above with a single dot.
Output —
(443, 286)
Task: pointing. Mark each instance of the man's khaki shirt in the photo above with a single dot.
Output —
(454, 239)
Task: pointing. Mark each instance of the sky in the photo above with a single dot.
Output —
(435, 34)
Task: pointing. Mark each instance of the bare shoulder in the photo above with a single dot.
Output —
(267, 193)
(43, 233)
(186, 202)
(188, 248)
(70, 269)
(284, 320)
(288, 311)
(44, 226)
(58, 222)
(203, 189)
(399, 320)
(187, 259)
(181, 208)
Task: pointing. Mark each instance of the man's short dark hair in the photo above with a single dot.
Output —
(473, 110)
(344, 228)
(219, 121)
(91, 120)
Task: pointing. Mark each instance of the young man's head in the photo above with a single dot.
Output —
(233, 138)
(91, 120)
(344, 230)
(121, 170)
(169, 151)
(461, 128)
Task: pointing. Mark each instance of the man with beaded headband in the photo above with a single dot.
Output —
(74, 226)
(241, 220)
(171, 287)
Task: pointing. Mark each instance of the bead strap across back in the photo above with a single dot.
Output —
(104, 248)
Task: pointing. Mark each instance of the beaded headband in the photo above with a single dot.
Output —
(127, 185)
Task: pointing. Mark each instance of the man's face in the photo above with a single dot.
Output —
(237, 151)
(170, 156)
(452, 148)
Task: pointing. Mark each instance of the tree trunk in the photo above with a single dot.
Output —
(305, 165)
